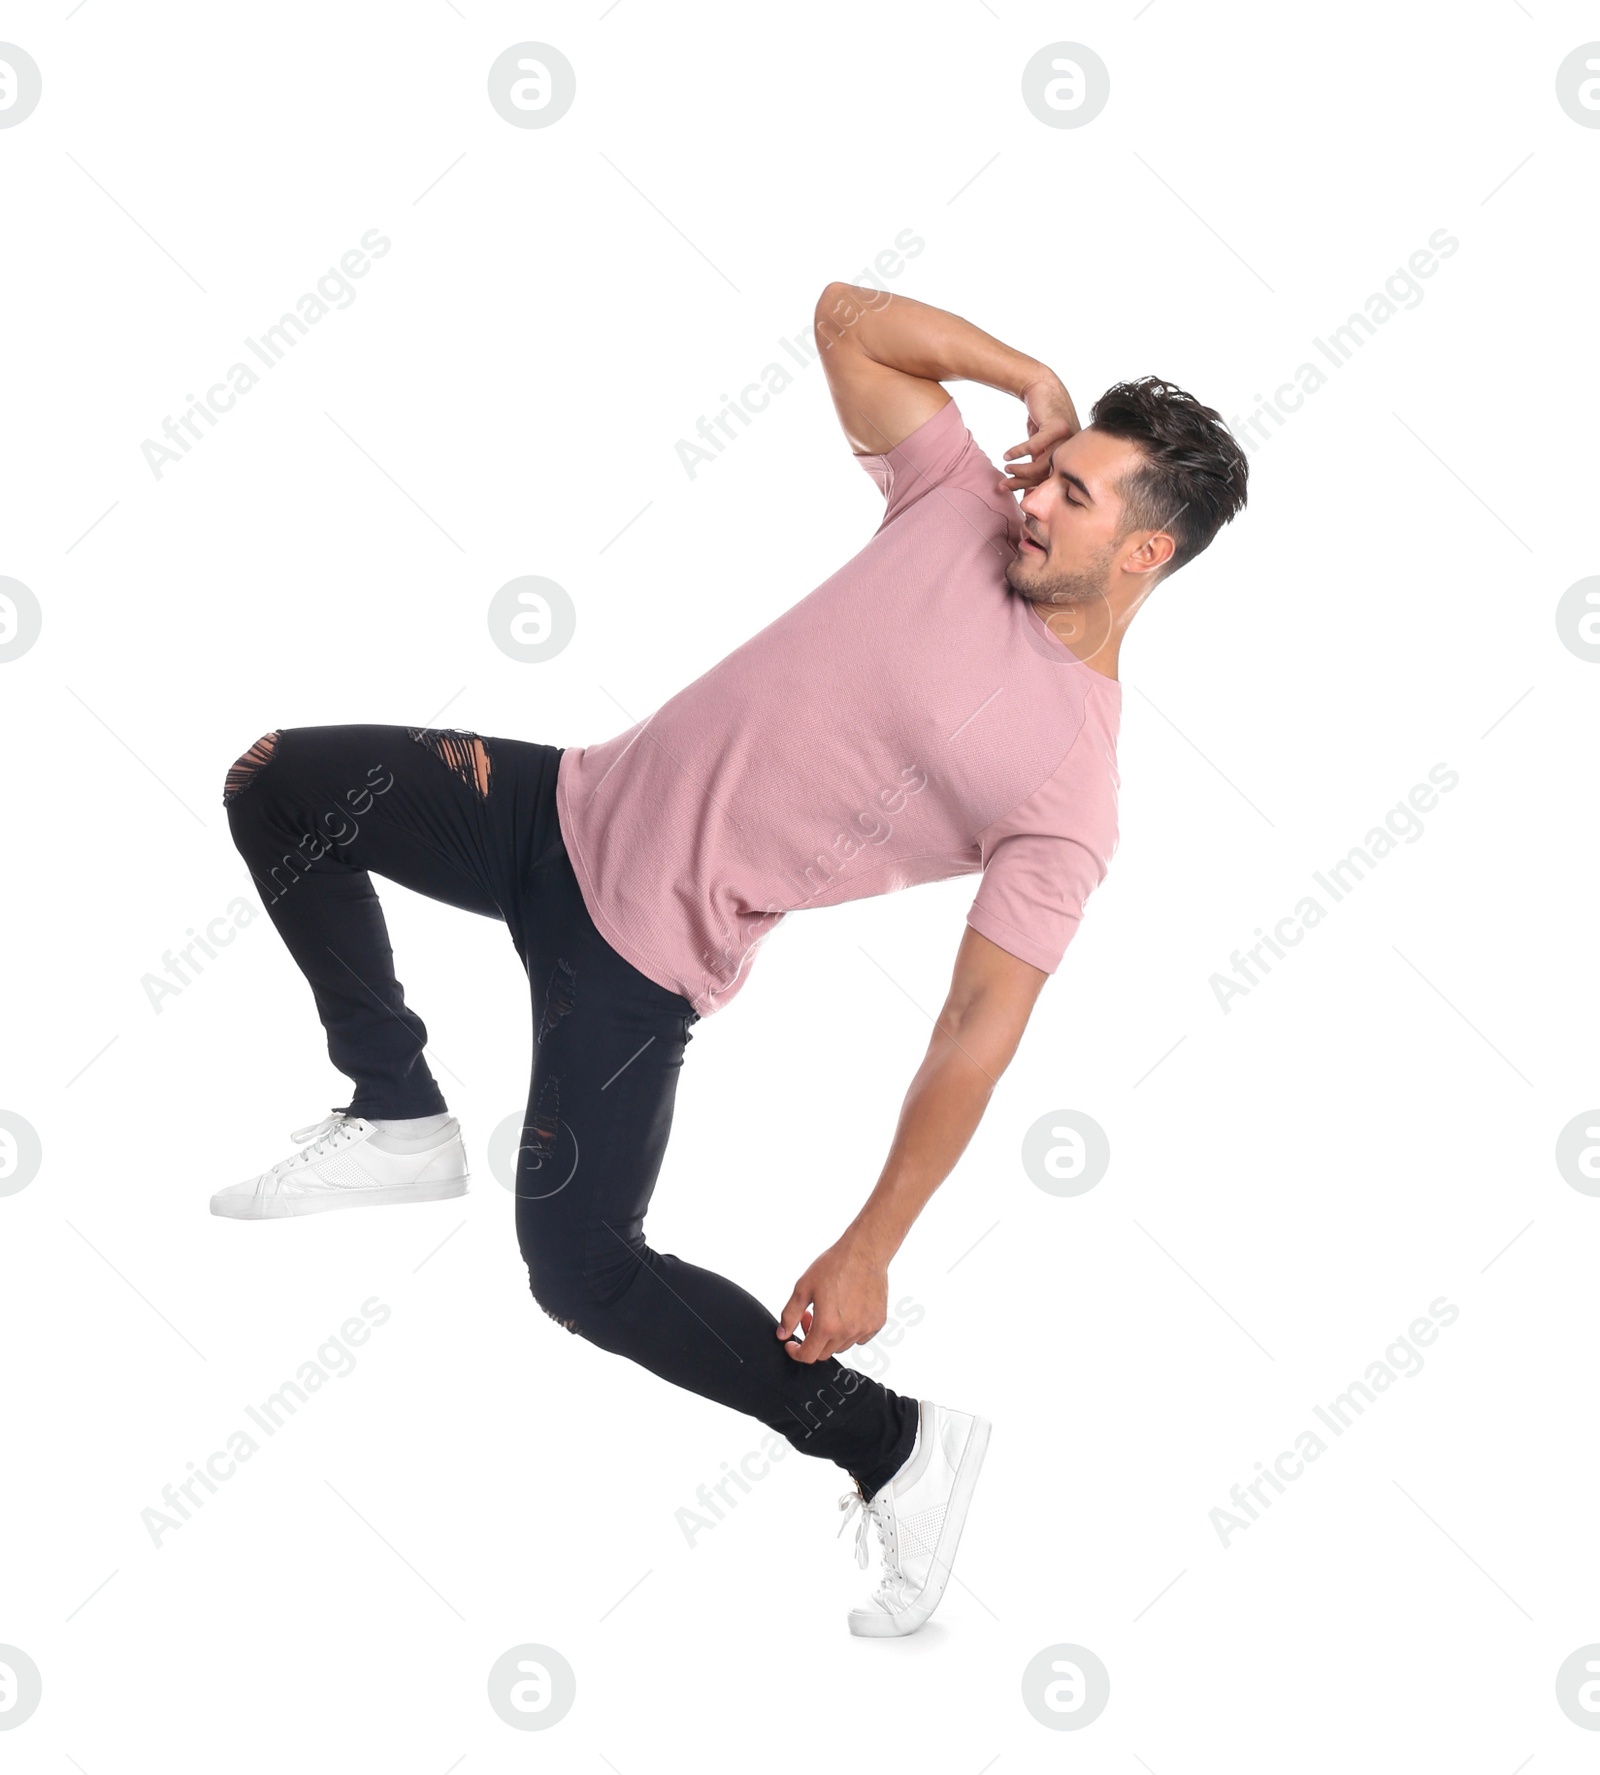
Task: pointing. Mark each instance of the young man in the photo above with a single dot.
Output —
(946, 703)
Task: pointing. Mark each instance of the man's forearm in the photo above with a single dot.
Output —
(942, 1108)
(922, 340)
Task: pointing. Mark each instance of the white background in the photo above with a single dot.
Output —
(1291, 1182)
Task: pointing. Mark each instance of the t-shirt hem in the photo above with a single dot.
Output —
(648, 964)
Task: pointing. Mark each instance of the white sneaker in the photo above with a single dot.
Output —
(345, 1162)
(919, 1515)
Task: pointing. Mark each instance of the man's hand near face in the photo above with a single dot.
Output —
(1052, 419)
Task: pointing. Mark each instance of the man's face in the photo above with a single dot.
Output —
(1069, 554)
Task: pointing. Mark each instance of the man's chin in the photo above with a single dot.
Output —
(1028, 582)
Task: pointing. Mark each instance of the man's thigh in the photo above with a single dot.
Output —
(362, 796)
(608, 1047)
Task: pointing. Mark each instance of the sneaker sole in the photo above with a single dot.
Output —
(879, 1625)
(282, 1208)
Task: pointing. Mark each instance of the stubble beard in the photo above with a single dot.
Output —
(1061, 590)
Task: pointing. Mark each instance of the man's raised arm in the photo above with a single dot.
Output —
(885, 357)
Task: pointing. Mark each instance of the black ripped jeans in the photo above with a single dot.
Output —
(316, 812)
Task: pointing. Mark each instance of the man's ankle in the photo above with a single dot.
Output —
(405, 1126)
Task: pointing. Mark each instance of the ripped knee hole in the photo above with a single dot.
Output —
(243, 770)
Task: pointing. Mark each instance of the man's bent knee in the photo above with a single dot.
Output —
(571, 1288)
(243, 770)
(560, 1293)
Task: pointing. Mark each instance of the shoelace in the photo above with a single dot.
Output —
(332, 1131)
(896, 1589)
(850, 1503)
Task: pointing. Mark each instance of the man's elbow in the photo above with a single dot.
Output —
(841, 307)
(836, 310)
(988, 1028)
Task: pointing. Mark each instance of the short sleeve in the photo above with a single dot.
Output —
(1044, 859)
(1032, 895)
(940, 455)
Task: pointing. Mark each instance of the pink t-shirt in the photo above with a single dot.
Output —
(910, 720)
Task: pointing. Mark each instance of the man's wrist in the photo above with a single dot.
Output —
(874, 1237)
(1031, 373)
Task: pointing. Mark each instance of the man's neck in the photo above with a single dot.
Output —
(1104, 657)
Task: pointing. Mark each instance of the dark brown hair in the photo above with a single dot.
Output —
(1193, 478)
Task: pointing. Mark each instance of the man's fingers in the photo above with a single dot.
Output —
(794, 1312)
(823, 1339)
(1042, 443)
(812, 1350)
(828, 1339)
